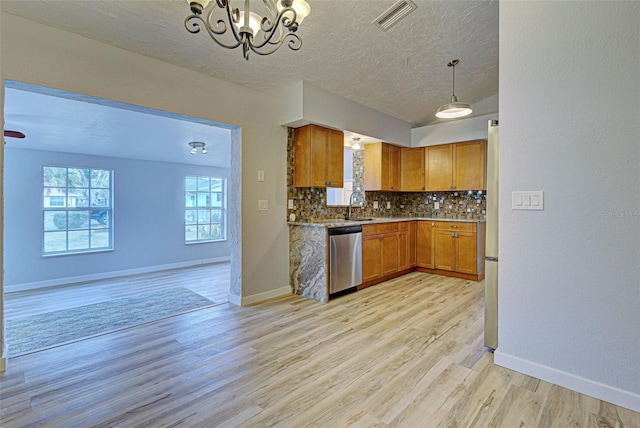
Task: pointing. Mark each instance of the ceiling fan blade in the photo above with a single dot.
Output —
(13, 134)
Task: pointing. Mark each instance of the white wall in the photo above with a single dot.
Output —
(569, 297)
(148, 219)
(473, 128)
(308, 104)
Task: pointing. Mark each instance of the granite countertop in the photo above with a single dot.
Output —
(328, 223)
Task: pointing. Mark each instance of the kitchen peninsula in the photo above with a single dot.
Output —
(391, 247)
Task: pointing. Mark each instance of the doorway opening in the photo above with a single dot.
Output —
(72, 240)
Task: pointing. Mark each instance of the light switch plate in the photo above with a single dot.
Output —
(375, 205)
(527, 200)
(263, 205)
(388, 205)
(260, 175)
(290, 204)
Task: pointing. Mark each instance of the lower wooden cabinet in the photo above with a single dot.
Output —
(459, 247)
(371, 257)
(441, 247)
(387, 248)
(424, 244)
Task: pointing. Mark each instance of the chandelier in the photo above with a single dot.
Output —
(230, 27)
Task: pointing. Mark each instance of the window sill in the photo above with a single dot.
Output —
(78, 253)
(205, 242)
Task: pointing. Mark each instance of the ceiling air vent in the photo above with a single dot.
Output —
(394, 14)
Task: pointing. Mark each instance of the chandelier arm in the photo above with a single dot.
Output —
(272, 29)
(194, 27)
(294, 44)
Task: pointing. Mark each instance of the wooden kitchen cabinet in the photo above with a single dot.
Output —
(318, 157)
(412, 176)
(371, 257)
(459, 166)
(389, 250)
(470, 165)
(459, 247)
(440, 247)
(381, 167)
(412, 242)
(440, 167)
(424, 244)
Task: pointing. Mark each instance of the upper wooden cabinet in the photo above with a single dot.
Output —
(318, 157)
(470, 165)
(381, 167)
(412, 176)
(459, 166)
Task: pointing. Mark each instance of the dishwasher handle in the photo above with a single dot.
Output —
(344, 230)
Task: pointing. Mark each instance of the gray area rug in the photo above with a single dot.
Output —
(36, 332)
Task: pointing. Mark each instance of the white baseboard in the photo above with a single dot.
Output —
(570, 381)
(108, 275)
(260, 297)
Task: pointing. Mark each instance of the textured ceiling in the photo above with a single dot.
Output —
(401, 72)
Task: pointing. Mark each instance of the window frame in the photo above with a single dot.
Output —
(92, 226)
(207, 206)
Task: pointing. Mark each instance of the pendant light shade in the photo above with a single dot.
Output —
(454, 108)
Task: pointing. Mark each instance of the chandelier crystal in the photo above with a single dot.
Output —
(231, 27)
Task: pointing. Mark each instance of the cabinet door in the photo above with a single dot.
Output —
(389, 253)
(319, 153)
(373, 166)
(466, 260)
(444, 250)
(335, 159)
(394, 168)
(371, 257)
(403, 253)
(440, 167)
(302, 157)
(425, 242)
(411, 243)
(470, 165)
(412, 173)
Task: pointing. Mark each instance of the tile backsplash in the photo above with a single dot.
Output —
(310, 203)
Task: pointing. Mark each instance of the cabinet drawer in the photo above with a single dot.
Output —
(450, 225)
(369, 229)
(387, 227)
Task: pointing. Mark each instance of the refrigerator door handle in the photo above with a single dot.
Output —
(491, 259)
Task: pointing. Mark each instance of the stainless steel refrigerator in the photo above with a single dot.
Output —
(491, 250)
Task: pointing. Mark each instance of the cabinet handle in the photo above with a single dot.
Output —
(328, 183)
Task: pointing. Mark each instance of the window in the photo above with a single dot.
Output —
(77, 210)
(204, 215)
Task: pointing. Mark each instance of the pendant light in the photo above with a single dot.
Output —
(454, 108)
(355, 145)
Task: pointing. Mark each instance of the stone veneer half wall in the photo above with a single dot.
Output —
(310, 202)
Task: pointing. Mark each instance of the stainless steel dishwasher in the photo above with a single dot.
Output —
(345, 258)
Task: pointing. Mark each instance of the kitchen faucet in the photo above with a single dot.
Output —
(351, 202)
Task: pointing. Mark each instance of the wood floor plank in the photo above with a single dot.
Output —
(405, 353)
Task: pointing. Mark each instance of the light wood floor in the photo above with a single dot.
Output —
(210, 281)
(407, 352)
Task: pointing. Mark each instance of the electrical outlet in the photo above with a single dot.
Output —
(388, 205)
(436, 205)
(263, 205)
(375, 205)
(290, 204)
